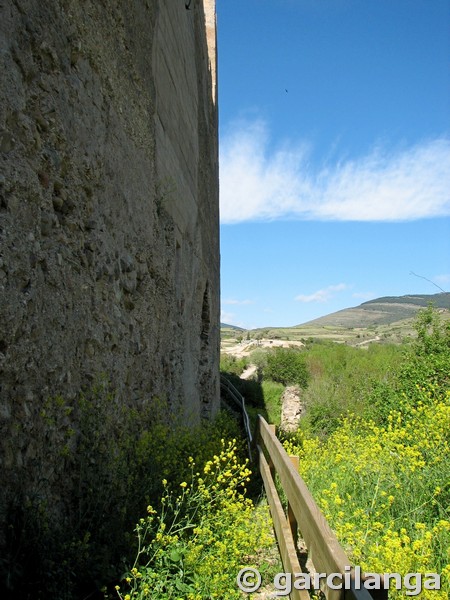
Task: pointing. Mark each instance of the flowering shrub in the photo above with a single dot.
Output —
(204, 533)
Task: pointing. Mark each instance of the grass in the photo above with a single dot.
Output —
(271, 410)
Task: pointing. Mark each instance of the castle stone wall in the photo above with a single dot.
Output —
(109, 256)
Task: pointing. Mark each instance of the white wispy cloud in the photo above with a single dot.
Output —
(237, 302)
(258, 184)
(322, 295)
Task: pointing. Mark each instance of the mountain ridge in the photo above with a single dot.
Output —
(382, 311)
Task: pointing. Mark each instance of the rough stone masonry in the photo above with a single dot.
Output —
(109, 246)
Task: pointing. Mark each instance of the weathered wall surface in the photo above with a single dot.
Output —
(108, 209)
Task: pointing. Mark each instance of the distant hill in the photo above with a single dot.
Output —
(382, 311)
(225, 326)
(441, 300)
(230, 332)
(384, 320)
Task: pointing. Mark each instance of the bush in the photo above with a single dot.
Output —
(231, 364)
(433, 335)
(425, 364)
(259, 358)
(286, 366)
(385, 490)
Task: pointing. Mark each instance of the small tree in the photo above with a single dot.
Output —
(287, 366)
(259, 358)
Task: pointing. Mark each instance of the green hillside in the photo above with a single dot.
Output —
(386, 319)
(441, 300)
(382, 311)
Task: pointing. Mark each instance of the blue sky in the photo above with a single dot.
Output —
(334, 154)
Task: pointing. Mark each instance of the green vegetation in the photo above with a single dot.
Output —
(230, 331)
(342, 379)
(262, 396)
(231, 364)
(269, 392)
(272, 392)
(259, 358)
(286, 366)
(374, 444)
(103, 489)
(374, 448)
(441, 300)
(382, 476)
(204, 532)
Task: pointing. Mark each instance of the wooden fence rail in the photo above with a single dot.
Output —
(303, 513)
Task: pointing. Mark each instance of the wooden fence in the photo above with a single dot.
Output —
(303, 515)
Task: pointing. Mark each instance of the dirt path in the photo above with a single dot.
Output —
(249, 372)
(367, 342)
(246, 347)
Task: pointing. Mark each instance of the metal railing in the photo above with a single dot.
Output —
(239, 400)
